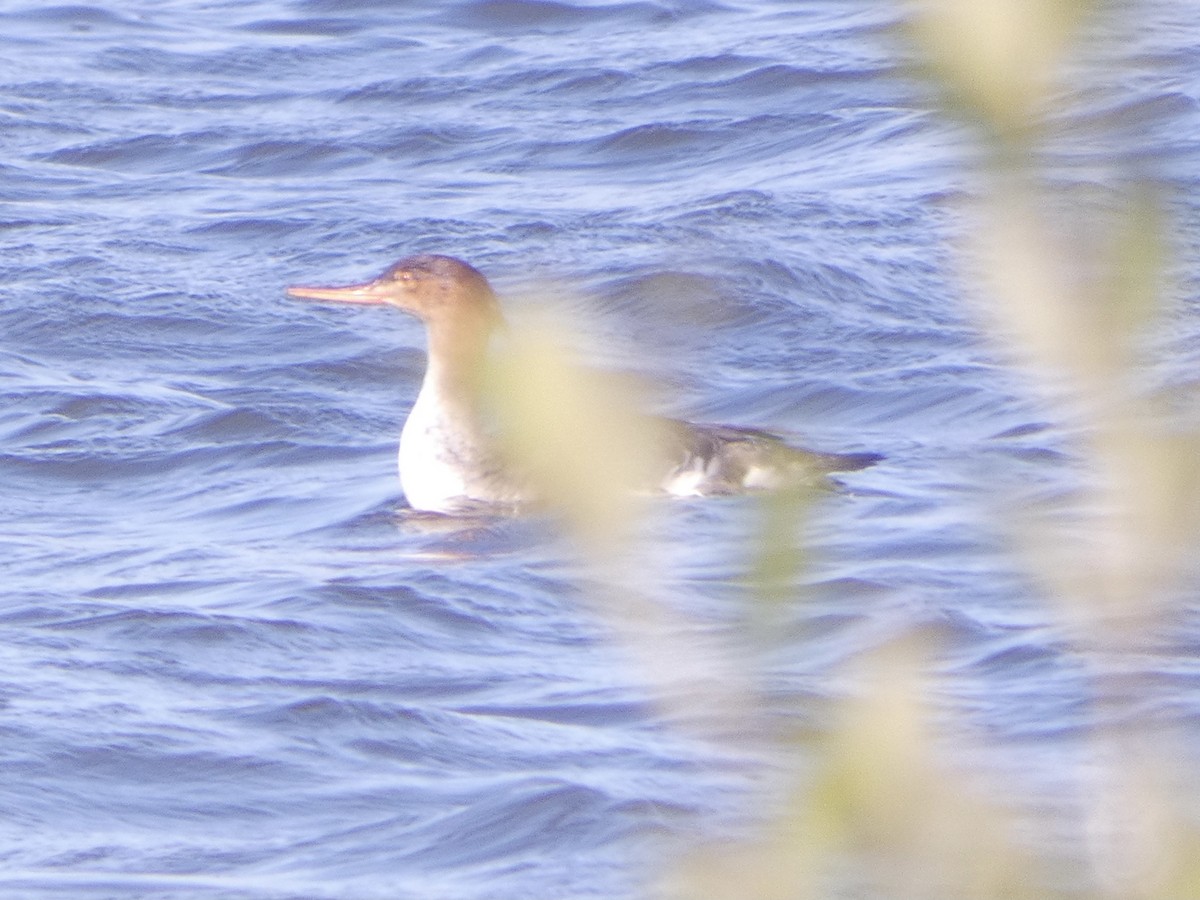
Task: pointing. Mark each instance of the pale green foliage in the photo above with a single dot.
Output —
(877, 814)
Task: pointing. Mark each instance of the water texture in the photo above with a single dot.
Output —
(231, 666)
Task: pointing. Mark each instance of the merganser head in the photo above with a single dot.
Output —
(431, 287)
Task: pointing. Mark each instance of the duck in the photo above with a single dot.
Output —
(449, 458)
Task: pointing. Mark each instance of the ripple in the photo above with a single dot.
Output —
(152, 153)
(78, 17)
(306, 27)
(278, 158)
(545, 15)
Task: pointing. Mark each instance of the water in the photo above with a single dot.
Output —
(233, 668)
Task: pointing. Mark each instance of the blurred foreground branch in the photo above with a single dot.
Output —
(879, 814)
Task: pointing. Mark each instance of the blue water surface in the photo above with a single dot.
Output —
(232, 666)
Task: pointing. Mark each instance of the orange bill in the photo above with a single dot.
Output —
(368, 292)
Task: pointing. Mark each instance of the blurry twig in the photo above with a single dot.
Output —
(1113, 561)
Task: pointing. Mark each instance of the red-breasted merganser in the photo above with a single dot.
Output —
(448, 458)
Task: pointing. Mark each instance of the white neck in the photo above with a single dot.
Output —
(446, 451)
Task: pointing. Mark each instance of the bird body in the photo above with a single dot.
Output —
(449, 459)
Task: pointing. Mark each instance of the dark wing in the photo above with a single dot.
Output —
(725, 459)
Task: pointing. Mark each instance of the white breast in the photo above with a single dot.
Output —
(446, 459)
